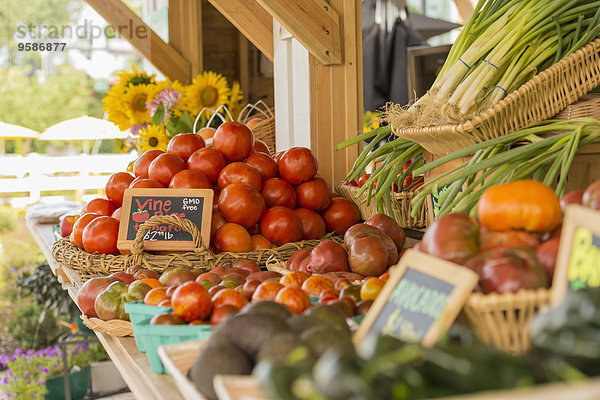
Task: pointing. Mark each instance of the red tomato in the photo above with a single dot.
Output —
(297, 165)
(277, 156)
(100, 236)
(79, 226)
(99, 206)
(260, 147)
(185, 144)
(164, 167)
(234, 140)
(240, 203)
(208, 161)
(254, 122)
(218, 220)
(420, 180)
(341, 215)
(281, 225)
(116, 185)
(117, 214)
(313, 226)
(407, 182)
(363, 179)
(232, 238)
(264, 164)
(207, 132)
(146, 183)
(278, 192)
(140, 166)
(240, 172)
(190, 179)
(314, 194)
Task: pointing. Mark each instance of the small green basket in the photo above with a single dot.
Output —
(141, 313)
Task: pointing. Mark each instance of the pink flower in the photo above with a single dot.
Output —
(169, 98)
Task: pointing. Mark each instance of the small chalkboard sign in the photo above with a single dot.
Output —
(420, 300)
(140, 204)
(578, 261)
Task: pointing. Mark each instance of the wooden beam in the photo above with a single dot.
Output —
(185, 31)
(131, 27)
(465, 9)
(251, 19)
(314, 23)
(336, 98)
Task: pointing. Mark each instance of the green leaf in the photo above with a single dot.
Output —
(159, 115)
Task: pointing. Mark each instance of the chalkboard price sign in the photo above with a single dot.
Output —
(578, 261)
(420, 301)
(140, 204)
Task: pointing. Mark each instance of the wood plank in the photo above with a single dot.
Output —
(314, 23)
(131, 27)
(336, 105)
(465, 9)
(250, 19)
(185, 32)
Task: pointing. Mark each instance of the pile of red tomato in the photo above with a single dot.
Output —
(261, 201)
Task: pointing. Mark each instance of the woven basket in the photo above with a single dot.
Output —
(88, 265)
(400, 205)
(265, 131)
(587, 106)
(502, 320)
(546, 94)
(114, 327)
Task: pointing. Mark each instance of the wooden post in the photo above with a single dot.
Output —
(336, 97)
(185, 31)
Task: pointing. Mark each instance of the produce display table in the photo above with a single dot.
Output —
(131, 363)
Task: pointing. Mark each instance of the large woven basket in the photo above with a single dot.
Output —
(89, 265)
(585, 107)
(400, 205)
(546, 94)
(502, 320)
(265, 131)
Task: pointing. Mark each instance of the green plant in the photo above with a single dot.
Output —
(46, 291)
(8, 219)
(33, 327)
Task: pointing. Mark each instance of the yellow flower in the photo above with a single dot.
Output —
(153, 137)
(208, 90)
(235, 100)
(114, 107)
(135, 77)
(134, 101)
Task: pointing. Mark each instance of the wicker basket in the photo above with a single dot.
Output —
(587, 106)
(400, 205)
(546, 94)
(502, 320)
(88, 265)
(265, 131)
(114, 327)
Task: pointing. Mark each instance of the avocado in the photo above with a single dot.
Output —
(219, 358)
(250, 331)
(322, 338)
(329, 314)
(278, 347)
(301, 322)
(267, 307)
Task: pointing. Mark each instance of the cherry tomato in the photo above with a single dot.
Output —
(264, 164)
(100, 236)
(314, 194)
(99, 206)
(78, 227)
(297, 165)
(116, 185)
(235, 140)
(278, 192)
(260, 147)
(145, 183)
(140, 166)
(185, 144)
(240, 172)
(208, 161)
(281, 225)
(164, 167)
(190, 179)
(341, 215)
(232, 238)
(313, 226)
(240, 203)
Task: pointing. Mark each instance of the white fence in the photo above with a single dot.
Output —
(37, 173)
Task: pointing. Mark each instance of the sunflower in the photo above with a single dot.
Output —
(235, 99)
(135, 77)
(134, 101)
(115, 109)
(208, 90)
(153, 137)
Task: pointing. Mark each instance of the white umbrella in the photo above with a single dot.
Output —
(10, 131)
(83, 128)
